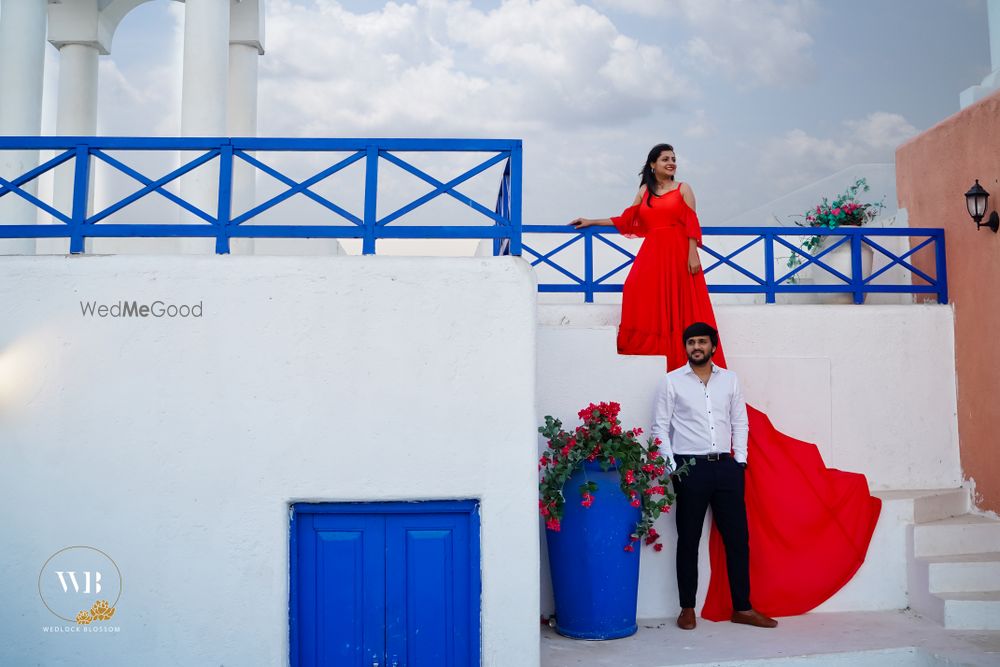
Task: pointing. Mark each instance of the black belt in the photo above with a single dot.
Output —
(718, 456)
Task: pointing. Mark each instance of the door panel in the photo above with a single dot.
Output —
(342, 586)
(427, 590)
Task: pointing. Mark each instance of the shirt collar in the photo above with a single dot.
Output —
(690, 370)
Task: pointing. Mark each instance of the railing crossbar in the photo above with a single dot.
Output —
(545, 258)
(604, 239)
(899, 261)
(813, 259)
(15, 185)
(441, 188)
(728, 259)
(296, 187)
(612, 272)
(153, 186)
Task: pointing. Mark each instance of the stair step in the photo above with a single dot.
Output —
(965, 534)
(930, 504)
(963, 573)
(937, 505)
(971, 611)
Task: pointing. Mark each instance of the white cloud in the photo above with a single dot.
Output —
(881, 132)
(764, 42)
(443, 66)
(798, 158)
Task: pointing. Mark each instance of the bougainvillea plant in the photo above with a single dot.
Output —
(845, 209)
(644, 472)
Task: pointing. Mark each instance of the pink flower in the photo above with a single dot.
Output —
(588, 500)
(553, 524)
(638, 431)
(629, 477)
(628, 547)
(836, 211)
(658, 547)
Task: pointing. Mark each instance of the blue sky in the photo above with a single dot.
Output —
(759, 98)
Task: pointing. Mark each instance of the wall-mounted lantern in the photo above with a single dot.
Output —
(977, 201)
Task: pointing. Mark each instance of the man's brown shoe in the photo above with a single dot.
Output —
(754, 618)
(686, 620)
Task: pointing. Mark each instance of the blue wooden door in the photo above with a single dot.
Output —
(386, 584)
(340, 584)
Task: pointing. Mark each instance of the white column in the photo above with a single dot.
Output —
(77, 106)
(76, 115)
(242, 103)
(22, 60)
(242, 111)
(203, 103)
(206, 68)
(991, 83)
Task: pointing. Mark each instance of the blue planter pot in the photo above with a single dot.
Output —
(594, 580)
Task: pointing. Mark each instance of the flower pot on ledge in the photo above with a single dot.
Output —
(595, 581)
(838, 260)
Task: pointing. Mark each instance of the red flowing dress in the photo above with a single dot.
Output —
(810, 526)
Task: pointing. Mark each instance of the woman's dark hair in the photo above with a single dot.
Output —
(648, 179)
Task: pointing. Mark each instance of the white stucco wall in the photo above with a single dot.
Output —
(176, 446)
(872, 386)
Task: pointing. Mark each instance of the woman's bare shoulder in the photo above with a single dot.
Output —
(639, 195)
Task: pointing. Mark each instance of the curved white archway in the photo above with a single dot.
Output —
(220, 39)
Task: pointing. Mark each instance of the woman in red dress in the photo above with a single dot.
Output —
(665, 290)
(810, 525)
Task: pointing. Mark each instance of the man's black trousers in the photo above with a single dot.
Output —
(719, 485)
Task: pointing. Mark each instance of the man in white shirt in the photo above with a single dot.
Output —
(700, 414)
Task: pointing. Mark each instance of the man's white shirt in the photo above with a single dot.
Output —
(692, 417)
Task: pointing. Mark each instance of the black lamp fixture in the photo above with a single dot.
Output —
(976, 200)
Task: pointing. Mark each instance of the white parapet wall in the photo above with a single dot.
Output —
(176, 445)
(872, 386)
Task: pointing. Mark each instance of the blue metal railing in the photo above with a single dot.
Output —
(503, 225)
(768, 278)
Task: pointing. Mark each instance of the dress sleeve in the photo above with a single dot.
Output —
(628, 223)
(691, 225)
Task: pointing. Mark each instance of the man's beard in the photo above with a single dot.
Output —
(706, 360)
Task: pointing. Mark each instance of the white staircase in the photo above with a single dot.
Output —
(954, 574)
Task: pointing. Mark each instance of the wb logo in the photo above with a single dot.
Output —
(80, 584)
(71, 576)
